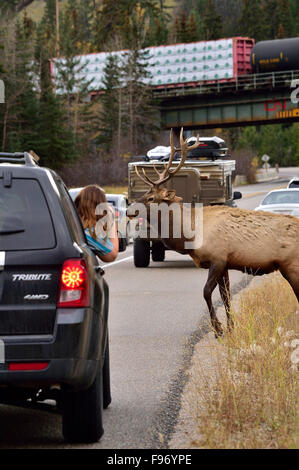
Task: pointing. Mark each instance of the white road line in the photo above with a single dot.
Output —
(117, 262)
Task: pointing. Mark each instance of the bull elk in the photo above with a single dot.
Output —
(249, 241)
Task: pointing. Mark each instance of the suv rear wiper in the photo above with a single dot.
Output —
(9, 231)
(11, 225)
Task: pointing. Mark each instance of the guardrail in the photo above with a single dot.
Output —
(234, 85)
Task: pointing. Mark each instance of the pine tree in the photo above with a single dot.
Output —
(212, 22)
(281, 32)
(86, 13)
(192, 28)
(283, 12)
(55, 142)
(111, 116)
(251, 21)
(271, 21)
(50, 13)
(138, 107)
(158, 33)
(19, 112)
(183, 27)
(70, 82)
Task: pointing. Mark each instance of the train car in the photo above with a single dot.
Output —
(275, 56)
(177, 65)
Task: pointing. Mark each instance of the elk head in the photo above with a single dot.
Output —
(156, 193)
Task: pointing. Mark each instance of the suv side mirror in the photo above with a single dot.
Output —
(237, 195)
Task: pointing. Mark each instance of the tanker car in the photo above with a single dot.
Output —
(188, 64)
(275, 56)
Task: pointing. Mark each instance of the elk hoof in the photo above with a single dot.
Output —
(218, 331)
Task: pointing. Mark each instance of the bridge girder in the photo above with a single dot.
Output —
(237, 109)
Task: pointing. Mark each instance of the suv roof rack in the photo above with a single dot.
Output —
(29, 159)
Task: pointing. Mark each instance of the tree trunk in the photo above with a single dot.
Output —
(4, 130)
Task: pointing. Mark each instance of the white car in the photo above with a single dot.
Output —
(281, 201)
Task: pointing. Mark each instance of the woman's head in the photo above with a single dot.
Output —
(86, 203)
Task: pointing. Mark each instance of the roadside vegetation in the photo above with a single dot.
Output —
(248, 397)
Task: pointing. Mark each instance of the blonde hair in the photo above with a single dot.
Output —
(86, 202)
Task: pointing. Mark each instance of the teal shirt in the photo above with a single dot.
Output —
(104, 247)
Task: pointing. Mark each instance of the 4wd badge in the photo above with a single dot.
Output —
(36, 297)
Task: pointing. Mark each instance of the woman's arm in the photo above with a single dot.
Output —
(109, 257)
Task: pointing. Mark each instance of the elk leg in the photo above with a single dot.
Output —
(215, 272)
(292, 278)
(224, 289)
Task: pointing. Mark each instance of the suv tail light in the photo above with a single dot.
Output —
(74, 284)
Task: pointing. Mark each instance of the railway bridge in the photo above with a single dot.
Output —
(247, 100)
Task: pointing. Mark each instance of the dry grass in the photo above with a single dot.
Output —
(116, 190)
(248, 396)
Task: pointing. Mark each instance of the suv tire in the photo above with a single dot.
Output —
(82, 419)
(158, 252)
(141, 253)
(106, 378)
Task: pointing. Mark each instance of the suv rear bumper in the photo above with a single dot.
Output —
(72, 353)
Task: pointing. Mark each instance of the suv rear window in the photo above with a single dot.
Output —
(25, 220)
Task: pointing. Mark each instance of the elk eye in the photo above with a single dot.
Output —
(151, 198)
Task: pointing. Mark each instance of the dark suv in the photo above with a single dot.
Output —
(53, 302)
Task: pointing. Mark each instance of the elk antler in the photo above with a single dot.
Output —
(166, 174)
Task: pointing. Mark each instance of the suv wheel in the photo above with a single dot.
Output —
(82, 413)
(158, 252)
(141, 253)
(106, 378)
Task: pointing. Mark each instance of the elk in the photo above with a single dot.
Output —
(249, 241)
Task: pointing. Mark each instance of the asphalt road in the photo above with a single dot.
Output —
(156, 314)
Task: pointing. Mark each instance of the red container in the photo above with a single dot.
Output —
(242, 48)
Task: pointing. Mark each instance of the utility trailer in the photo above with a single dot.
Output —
(206, 178)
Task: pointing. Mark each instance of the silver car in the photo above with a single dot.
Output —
(281, 201)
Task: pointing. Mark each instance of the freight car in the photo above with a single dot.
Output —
(275, 56)
(177, 64)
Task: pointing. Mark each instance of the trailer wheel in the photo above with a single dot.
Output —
(141, 253)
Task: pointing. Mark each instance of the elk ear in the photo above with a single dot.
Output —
(170, 195)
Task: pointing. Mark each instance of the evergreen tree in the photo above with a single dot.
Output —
(86, 13)
(271, 21)
(181, 27)
(50, 13)
(283, 13)
(212, 22)
(158, 34)
(70, 81)
(111, 116)
(138, 106)
(251, 21)
(192, 29)
(55, 142)
(18, 114)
